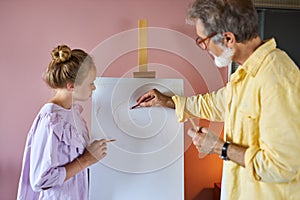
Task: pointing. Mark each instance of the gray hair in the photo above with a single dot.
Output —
(236, 16)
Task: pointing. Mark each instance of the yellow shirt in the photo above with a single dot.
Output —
(260, 108)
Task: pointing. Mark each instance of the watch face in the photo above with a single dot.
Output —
(224, 151)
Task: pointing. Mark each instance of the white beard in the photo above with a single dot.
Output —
(225, 58)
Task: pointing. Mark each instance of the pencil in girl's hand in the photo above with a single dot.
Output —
(111, 140)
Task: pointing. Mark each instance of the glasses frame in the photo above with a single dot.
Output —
(201, 42)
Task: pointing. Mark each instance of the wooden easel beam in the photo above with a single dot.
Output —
(143, 52)
(142, 48)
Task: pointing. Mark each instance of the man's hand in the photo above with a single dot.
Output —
(206, 141)
(155, 98)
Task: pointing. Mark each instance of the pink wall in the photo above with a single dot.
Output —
(31, 29)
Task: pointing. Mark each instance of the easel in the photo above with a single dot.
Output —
(150, 172)
(143, 52)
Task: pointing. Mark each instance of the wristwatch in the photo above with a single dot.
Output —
(224, 151)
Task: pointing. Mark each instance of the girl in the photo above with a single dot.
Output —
(57, 151)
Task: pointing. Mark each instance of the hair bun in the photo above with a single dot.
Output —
(61, 53)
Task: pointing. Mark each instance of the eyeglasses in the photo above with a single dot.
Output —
(201, 42)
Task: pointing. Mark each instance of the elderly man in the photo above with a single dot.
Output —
(259, 106)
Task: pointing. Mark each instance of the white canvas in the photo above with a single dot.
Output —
(146, 161)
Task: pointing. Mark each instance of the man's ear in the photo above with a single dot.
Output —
(70, 86)
(229, 39)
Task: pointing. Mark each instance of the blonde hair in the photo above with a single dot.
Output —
(67, 66)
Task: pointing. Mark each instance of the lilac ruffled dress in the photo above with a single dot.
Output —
(57, 137)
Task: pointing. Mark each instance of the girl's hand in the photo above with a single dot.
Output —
(92, 154)
(95, 151)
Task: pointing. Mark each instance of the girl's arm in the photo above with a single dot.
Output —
(92, 154)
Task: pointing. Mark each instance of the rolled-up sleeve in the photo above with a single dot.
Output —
(44, 169)
(276, 159)
(179, 102)
(208, 106)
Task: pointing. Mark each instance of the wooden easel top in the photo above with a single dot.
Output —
(143, 52)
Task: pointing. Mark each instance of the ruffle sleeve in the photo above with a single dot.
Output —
(68, 133)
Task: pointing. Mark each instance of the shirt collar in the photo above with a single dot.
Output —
(253, 63)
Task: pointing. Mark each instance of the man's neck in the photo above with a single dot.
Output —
(244, 50)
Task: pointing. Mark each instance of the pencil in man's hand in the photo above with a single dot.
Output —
(198, 130)
(145, 100)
